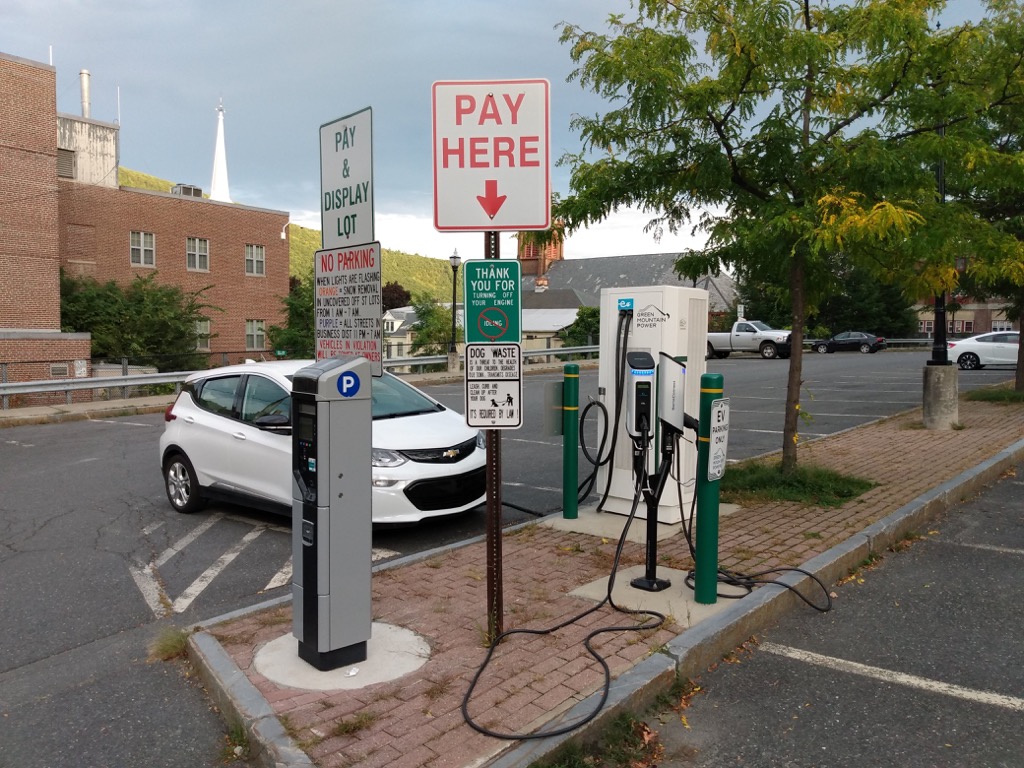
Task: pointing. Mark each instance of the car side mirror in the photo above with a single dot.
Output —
(277, 423)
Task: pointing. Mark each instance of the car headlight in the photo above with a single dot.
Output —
(481, 440)
(382, 458)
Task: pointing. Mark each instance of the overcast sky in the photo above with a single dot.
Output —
(283, 69)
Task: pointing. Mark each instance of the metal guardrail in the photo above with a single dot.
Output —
(67, 386)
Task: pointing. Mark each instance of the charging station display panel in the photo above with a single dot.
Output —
(494, 386)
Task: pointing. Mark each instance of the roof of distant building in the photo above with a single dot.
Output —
(586, 278)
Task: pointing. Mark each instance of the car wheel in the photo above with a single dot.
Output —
(865, 348)
(821, 349)
(181, 484)
(769, 351)
(969, 361)
(711, 352)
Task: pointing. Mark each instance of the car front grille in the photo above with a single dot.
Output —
(447, 492)
(442, 455)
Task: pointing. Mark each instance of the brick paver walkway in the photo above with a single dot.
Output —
(416, 722)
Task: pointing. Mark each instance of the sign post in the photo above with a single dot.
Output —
(712, 441)
(492, 173)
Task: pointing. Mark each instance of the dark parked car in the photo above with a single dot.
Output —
(850, 341)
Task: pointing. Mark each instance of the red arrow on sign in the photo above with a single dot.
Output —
(491, 201)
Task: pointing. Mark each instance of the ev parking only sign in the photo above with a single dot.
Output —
(494, 386)
(719, 439)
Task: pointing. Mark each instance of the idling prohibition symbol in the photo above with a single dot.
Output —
(492, 323)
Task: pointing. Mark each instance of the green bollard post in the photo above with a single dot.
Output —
(705, 578)
(570, 453)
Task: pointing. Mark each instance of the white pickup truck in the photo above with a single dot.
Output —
(749, 336)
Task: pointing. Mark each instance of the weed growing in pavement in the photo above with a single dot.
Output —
(957, 426)
(1002, 396)
(353, 725)
(439, 687)
(754, 483)
(171, 643)
(236, 745)
(627, 741)
(904, 543)
(812, 535)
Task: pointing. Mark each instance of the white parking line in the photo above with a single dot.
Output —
(203, 581)
(149, 585)
(187, 539)
(898, 678)
(125, 423)
(534, 487)
(284, 576)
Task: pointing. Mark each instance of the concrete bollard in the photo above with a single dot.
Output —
(941, 397)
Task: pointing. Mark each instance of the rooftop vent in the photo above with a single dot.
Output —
(186, 190)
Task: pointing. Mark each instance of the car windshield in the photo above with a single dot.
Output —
(760, 326)
(392, 398)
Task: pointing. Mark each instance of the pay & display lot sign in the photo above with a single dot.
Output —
(346, 180)
(347, 303)
(494, 386)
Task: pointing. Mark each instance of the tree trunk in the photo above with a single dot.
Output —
(792, 418)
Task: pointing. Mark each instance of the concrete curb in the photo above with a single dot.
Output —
(696, 649)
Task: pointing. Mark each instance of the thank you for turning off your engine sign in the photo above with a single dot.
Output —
(347, 303)
(494, 386)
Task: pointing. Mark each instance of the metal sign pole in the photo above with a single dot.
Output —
(495, 609)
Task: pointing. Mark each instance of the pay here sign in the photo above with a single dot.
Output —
(492, 159)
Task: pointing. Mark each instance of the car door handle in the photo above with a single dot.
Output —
(189, 419)
(238, 435)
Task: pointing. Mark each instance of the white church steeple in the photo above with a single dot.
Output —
(219, 184)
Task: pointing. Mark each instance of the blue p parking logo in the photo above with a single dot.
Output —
(348, 384)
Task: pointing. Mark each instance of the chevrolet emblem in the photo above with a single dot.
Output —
(451, 453)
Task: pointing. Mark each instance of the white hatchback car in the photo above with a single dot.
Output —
(228, 436)
(998, 348)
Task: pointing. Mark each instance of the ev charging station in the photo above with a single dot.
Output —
(663, 358)
(332, 527)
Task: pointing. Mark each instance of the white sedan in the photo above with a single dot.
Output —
(998, 348)
(228, 436)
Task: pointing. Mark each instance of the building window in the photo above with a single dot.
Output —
(928, 326)
(1001, 325)
(203, 335)
(255, 260)
(197, 254)
(255, 335)
(143, 250)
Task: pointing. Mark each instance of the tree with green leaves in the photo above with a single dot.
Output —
(433, 326)
(585, 329)
(149, 323)
(297, 336)
(801, 135)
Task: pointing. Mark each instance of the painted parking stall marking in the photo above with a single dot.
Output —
(897, 678)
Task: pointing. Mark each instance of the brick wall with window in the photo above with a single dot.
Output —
(237, 250)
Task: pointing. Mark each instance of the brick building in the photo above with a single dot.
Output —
(61, 206)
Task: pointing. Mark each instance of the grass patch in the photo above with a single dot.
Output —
(171, 643)
(627, 742)
(754, 483)
(353, 725)
(1003, 396)
(236, 747)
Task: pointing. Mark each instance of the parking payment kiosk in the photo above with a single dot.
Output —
(331, 521)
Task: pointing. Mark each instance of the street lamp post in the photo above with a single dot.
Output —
(455, 261)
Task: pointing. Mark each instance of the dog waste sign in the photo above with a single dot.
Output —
(494, 386)
(493, 301)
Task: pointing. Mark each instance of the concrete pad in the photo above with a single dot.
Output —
(677, 601)
(608, 525)
(391, 652)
